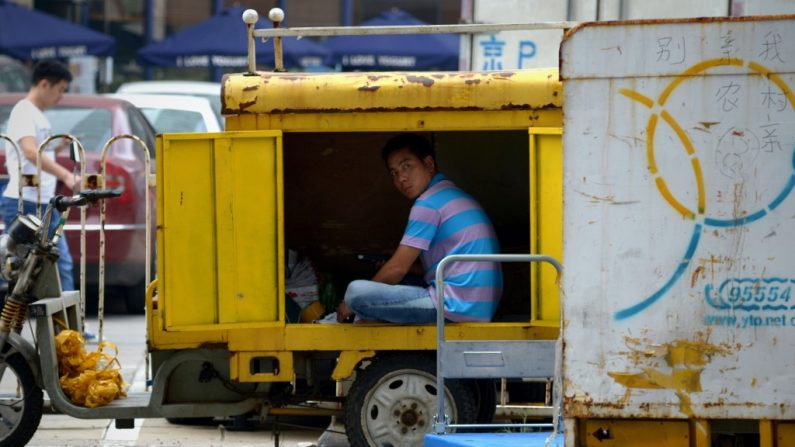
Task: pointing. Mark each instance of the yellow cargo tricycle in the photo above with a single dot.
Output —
(298, 168)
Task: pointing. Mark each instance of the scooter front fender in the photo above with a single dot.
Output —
(16, 344)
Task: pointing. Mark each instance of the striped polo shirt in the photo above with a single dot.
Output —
(445, 220)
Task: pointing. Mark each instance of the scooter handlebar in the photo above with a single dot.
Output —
(61, 203)
(92, 195)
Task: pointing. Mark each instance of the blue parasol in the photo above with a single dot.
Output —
(220, 41)
(26, 34)
(395, 52)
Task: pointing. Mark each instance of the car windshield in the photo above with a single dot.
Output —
(215, 103)
(172, 120)
(5, 110)
(92, 126)
(13, 76)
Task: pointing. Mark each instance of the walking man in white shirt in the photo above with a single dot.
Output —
(28, 127)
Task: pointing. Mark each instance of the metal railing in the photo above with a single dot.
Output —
(20, 182)
(34, 181)
(100, 181)
(441, 423)
(250, 17)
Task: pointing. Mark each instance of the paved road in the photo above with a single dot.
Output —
(128, 333)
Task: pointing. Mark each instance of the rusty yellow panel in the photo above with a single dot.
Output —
(186, 226)
(303, 337)
(247, 191)
(347, 362)
(378, 121)
(221, 198)
(700, 433)
(156, 319)
(297, 93)
(336, 337)
(785, 433)
(546, 220)
(766, 433)
(635, 433)
(241, 364)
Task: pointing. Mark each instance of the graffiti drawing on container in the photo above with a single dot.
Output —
(675, 366)
(736, 149)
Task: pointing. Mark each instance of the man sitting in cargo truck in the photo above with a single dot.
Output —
(443, 220)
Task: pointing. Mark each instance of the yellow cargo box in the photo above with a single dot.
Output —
(299, 169)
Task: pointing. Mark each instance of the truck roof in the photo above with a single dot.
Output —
(390, 91)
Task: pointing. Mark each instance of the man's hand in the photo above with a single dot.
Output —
(393, 271)
(30, 151)
(344, 313)
(72, 182)
(63, 144)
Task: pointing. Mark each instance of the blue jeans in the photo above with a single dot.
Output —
(371, 300)
(9, 209)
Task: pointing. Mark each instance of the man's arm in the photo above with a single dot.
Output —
(393, 271)
(29, 148)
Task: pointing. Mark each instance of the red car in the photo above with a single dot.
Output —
(93, 120)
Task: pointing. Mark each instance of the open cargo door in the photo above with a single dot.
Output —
(220, 229)
(546, 202)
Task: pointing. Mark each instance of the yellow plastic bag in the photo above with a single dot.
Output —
(90, 379)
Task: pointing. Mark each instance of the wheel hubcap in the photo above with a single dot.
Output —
(409, 418)
(400, 408)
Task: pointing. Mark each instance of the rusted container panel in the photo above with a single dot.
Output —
(679, 234)
(267, 93)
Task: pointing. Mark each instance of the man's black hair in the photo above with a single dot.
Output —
(51, 70)
(417, 145)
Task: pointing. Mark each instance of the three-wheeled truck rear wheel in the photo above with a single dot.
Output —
(393, 401)
(486, 396)
(21, 402)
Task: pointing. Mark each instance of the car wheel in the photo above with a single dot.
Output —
(135, 298)
(21, 402)
(393, 401)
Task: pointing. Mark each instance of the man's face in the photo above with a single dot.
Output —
(410, 175)
(51, 94)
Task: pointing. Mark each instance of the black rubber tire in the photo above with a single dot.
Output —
(485, 391)
(135, 298)
(409, 414)
(19, 432)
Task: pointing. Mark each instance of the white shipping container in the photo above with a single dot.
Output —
(510, 50)
(679, 219)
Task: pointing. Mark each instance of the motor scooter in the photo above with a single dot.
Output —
(29, 256)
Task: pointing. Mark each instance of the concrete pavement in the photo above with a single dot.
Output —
(65, 431)
(128, 332)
